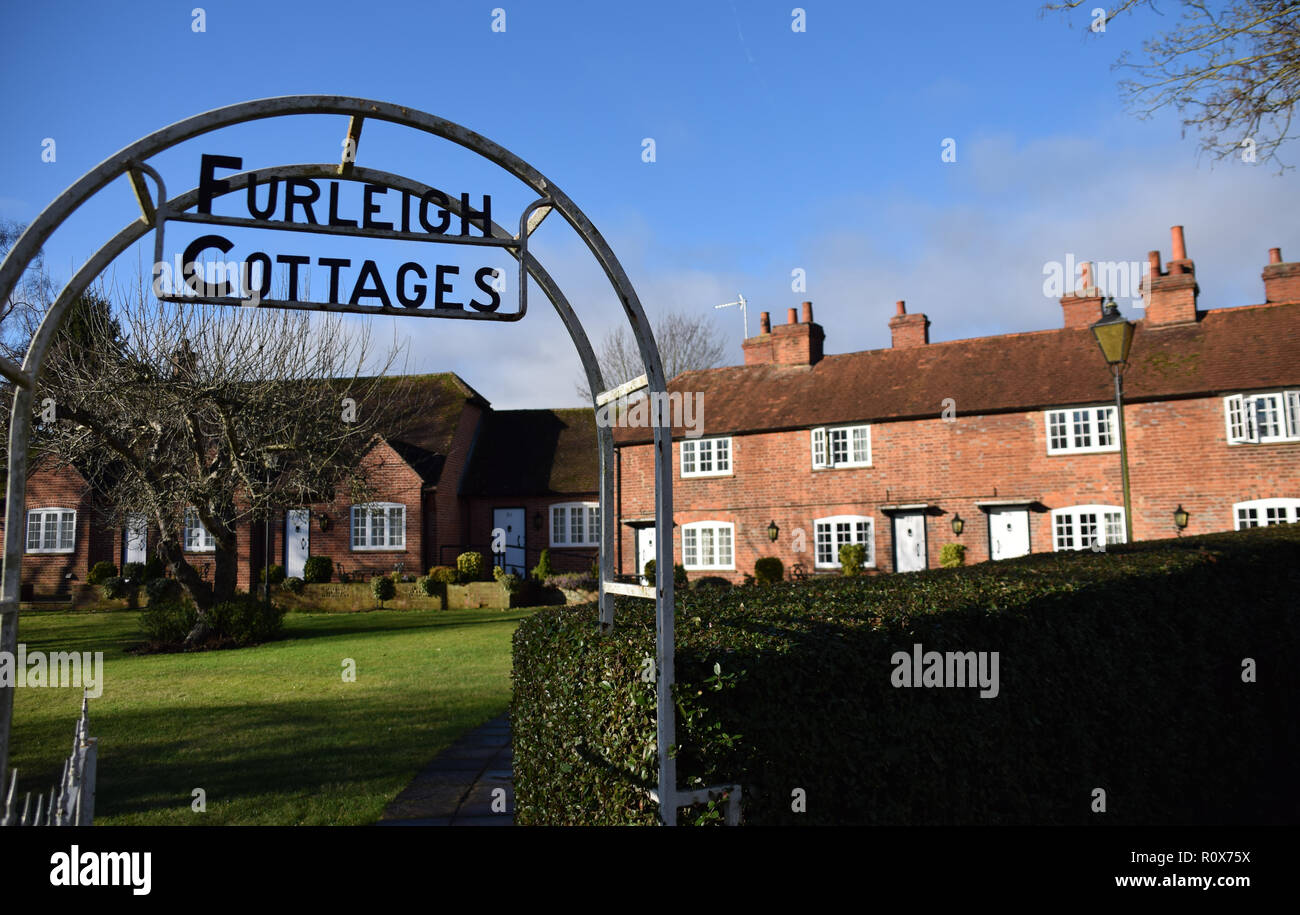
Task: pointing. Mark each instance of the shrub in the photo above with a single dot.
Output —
(428, 586)
(470, 565)
(154, 568)
(167, 622)
(543, 569)
(445, 575)
(134, 572)
(710, 581)
(679, 574)
(382, 587)
(852, 557)
(769, 571)
(574, 581)
(294, 585)
(317, 570)
(246, 620)
(952, 555)
(162, 589)
(100, 572)
(275, 572)
(1170, 620)
(116, 587)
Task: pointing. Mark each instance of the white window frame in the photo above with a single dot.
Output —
(1076, 533)
(693, 540)
(197, 538)
(822, 439)
(693, 455)
(1263, 418)
(831, 523)
(366, 513)
(1288, 508)
(562, 516)
(60, 528)
(1091, 420)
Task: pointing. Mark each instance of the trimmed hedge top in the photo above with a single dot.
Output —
(1120, 670)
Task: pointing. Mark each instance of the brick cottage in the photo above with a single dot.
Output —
(455, 471)
(1014, 434)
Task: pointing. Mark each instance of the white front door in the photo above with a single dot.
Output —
(511, 521)
(645, 550)
(137, 537)
(1009, 532)
(297, 541)
(909, 542)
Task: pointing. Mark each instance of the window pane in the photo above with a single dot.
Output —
(1104, 416)
(558, 535)
(1064, 532)
(825, 550)
(593, 524)
(376, 528)
(688, 457)
(1247, 517)
(33, 530)
(722, 454)
(724, 546)
(1114, 528)
(1087, 530)
(1082, 429)
(860, 445)
(1059, 437)
(839, 446)
(690, 550)
(397, 526)
(575, 525)
(706, 457)
(707, 553)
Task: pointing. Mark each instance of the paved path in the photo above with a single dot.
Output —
(457, 788)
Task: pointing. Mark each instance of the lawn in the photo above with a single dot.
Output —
(272, 734)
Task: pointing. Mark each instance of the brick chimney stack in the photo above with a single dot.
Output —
(793, 343)
(1281, 280)
(1170, 295)
(1083, 306)
(908, 330)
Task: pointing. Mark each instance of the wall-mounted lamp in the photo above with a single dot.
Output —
(957, 525)
(324, 521)
(1180, 517)
(537, 520)
(773, 531)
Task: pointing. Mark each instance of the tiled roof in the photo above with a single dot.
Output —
(535, 452)
(420, 417)
(1228, 349)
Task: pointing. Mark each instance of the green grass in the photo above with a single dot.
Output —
(271, 733)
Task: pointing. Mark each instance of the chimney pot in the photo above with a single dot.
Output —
(901, 308)
(807, 312)
(1275, 255)
(1179, 245)
(764, 323)
(1153, 258)
(791, 316)
(1085, 278)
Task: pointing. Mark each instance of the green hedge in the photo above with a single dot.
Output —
(1118, 670)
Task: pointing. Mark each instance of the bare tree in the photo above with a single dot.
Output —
(22, 312)
(1232, 70)
(687, 342)
(215, 413)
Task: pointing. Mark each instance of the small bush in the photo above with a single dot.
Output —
(852, 557)
(574, 581)
(276, 573)
(679, 574)
(246, 620)
(543, 569)
(952, 555)
(710, 581)
(470, 565)
(382, 587)
(154, 568)
(167, 621)
(317, 570)
(428, 586)
(445, 575)
(115, 587)
(134, 572)
(162, 589)
(769, 571)
(100, 572)
(294, 585)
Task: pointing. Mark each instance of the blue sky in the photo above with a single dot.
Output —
(775, 150)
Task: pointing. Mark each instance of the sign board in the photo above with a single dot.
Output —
(339, 206)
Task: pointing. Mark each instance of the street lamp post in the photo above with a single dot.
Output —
(1115, 337)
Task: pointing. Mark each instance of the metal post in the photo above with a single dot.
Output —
(1118, 372)
(665, 637)
(266, 547)
(20, 421)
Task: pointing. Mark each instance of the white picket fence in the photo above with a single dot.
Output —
(72, 801)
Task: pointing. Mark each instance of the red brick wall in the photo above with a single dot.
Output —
(47, 574)
(563, 559)
(450, 525)
(1177, 454)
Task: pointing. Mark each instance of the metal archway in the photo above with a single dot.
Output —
(132, 162)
